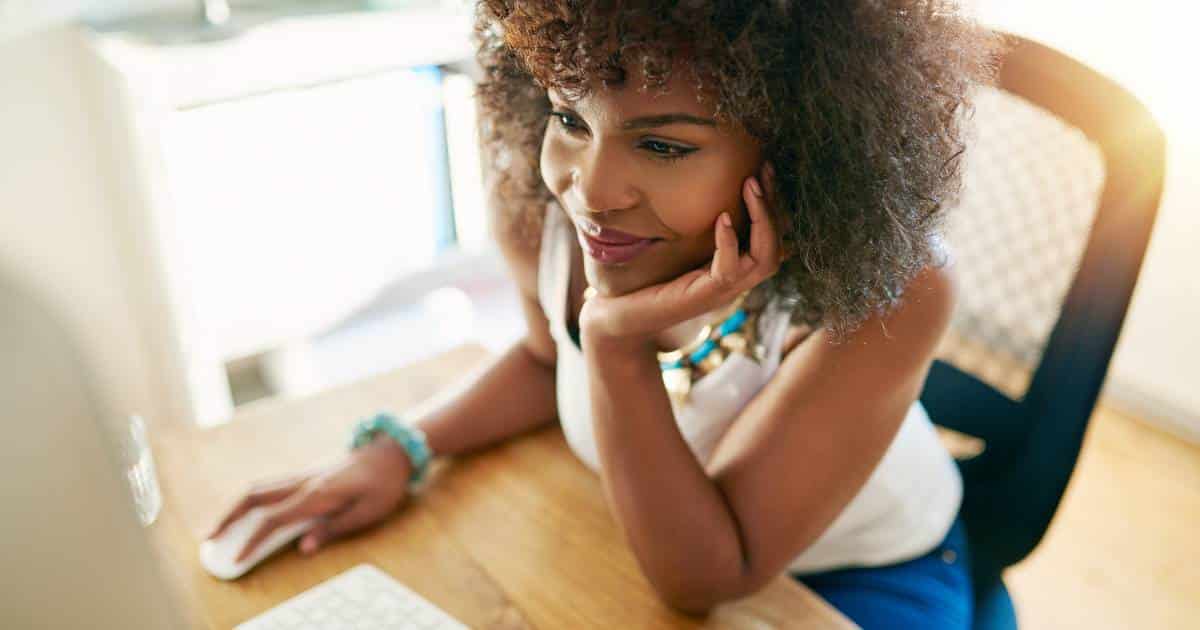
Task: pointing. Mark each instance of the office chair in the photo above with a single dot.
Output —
(1061, 187)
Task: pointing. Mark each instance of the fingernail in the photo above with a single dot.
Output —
(755, 187)
(726, 220)
(308, 545)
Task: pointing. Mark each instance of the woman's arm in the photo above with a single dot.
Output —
(513, 394)
(794, 457)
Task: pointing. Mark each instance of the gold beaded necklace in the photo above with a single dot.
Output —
(735, 330)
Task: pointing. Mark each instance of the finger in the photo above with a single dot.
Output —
(764, 246)
(724, 269)
(358, 516)
(261, 494)
(299, 506)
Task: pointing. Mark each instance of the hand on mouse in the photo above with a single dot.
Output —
(361, 489)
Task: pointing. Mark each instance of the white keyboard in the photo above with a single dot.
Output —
(362, 598)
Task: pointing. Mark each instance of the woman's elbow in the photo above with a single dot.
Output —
(698, 599)
(696, 590)
(692, 605)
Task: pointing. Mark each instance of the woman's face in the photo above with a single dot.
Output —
(654, 168)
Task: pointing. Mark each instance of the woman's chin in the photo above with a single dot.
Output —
(613, 280)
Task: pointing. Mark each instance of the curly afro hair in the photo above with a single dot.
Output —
(858, 104)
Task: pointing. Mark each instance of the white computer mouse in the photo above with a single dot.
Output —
(217, 555)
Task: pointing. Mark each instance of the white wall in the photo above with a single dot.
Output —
(57, 214)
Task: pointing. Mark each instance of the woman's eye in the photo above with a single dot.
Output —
(659, 149)
(566, 121)
(665, 150)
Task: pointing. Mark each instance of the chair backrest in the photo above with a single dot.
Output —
(1061, 188)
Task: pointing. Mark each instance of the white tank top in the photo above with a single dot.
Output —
(906, 506)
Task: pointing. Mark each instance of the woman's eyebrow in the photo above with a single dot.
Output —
(659, 120)
(656, 120)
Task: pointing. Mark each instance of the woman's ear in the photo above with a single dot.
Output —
(767, 178)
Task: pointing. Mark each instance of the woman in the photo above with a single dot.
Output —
(723, 219)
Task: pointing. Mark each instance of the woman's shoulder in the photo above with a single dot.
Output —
(920, 318)
(933, 294)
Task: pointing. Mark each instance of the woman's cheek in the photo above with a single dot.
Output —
(694, 212)
(552, 164)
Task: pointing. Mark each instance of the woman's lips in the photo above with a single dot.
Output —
(611, 251)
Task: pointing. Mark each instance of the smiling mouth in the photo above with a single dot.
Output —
(614, 253)
(608, 235)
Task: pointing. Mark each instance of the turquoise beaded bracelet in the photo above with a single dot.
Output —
(409, 437)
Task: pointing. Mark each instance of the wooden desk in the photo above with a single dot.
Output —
(519, 536)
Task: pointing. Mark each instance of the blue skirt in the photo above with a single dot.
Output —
(930, 592)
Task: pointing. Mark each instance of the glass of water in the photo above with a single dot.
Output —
(137, 462)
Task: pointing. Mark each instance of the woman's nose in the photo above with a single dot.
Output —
(603, 186)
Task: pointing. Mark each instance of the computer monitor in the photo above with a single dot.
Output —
(73, 553)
